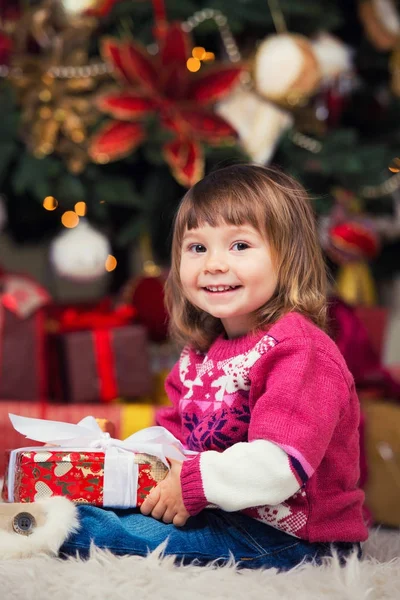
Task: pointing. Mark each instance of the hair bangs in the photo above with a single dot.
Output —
(218, 208)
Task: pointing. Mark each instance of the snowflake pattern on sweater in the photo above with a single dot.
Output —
(228, 406)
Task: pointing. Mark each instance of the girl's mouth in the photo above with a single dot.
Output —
(218, 289)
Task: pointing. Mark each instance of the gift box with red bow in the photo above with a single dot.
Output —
(22, 338)
(98, 355)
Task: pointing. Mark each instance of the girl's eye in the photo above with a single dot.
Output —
(240, 246)
(197, 248)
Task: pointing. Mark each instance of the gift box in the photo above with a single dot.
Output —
(125, 418)
(99, 356)
(87, 465)
(79, 475)
(22, 334)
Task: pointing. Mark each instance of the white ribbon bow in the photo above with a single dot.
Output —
(120, 471)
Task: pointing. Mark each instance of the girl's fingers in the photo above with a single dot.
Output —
(168, 516)
(150, 502)
(179, 520)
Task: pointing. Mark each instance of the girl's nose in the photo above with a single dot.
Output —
(216, 263)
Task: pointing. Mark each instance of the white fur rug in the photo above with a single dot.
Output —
(103, 576)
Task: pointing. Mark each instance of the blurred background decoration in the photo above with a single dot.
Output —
(120, 105)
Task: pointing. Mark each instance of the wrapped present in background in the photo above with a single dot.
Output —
(87, 465)
(22, 337)
(98, 355)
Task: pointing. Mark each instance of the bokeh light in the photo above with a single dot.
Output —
(193, 64)
(208, 57)
(70, 219)
(50, 203)
(111, 263)
(198, 52)
(80, 209)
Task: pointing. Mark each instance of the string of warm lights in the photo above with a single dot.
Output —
(105, 68)
(63, 71)
(221, 22)
(369, 192)
(383, 189)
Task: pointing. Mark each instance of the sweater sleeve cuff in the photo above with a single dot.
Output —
(192, 486)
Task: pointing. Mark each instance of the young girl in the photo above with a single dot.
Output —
(260, 391)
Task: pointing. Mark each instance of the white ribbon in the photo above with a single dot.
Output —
(120, 471)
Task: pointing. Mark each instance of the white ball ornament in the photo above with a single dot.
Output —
(286, 69)
(80, 253)
(334, 57)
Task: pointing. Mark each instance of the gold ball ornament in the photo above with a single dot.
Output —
(286, 69)
(381, 21)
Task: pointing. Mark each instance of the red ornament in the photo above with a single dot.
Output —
(148, 300)
(354, 240)
(163, 85)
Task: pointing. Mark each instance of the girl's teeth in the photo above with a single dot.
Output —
(220, 288)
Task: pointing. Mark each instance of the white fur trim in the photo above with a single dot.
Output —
(61, 520)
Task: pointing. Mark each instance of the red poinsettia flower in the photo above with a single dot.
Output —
(163, 85)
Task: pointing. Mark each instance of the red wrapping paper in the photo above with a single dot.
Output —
(77, 475)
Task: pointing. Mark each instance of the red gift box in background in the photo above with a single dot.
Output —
(23, 373)
(77, 474)
(98, 354)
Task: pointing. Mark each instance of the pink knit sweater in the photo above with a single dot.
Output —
(274, 417)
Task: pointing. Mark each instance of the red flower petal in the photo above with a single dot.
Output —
(214, 84)
(174, 52)
(176, 46)
(111, 52)
(140, 67)
(205, 125)
(185, 157)
(126, 106)
(115, 140)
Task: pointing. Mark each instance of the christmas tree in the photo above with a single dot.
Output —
(112, 108)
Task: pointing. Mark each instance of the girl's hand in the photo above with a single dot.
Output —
(165, 500)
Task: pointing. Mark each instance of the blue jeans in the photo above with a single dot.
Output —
(213, 535)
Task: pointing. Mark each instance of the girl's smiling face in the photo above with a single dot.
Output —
(228, 272)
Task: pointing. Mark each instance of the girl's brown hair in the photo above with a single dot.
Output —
(279, 208)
